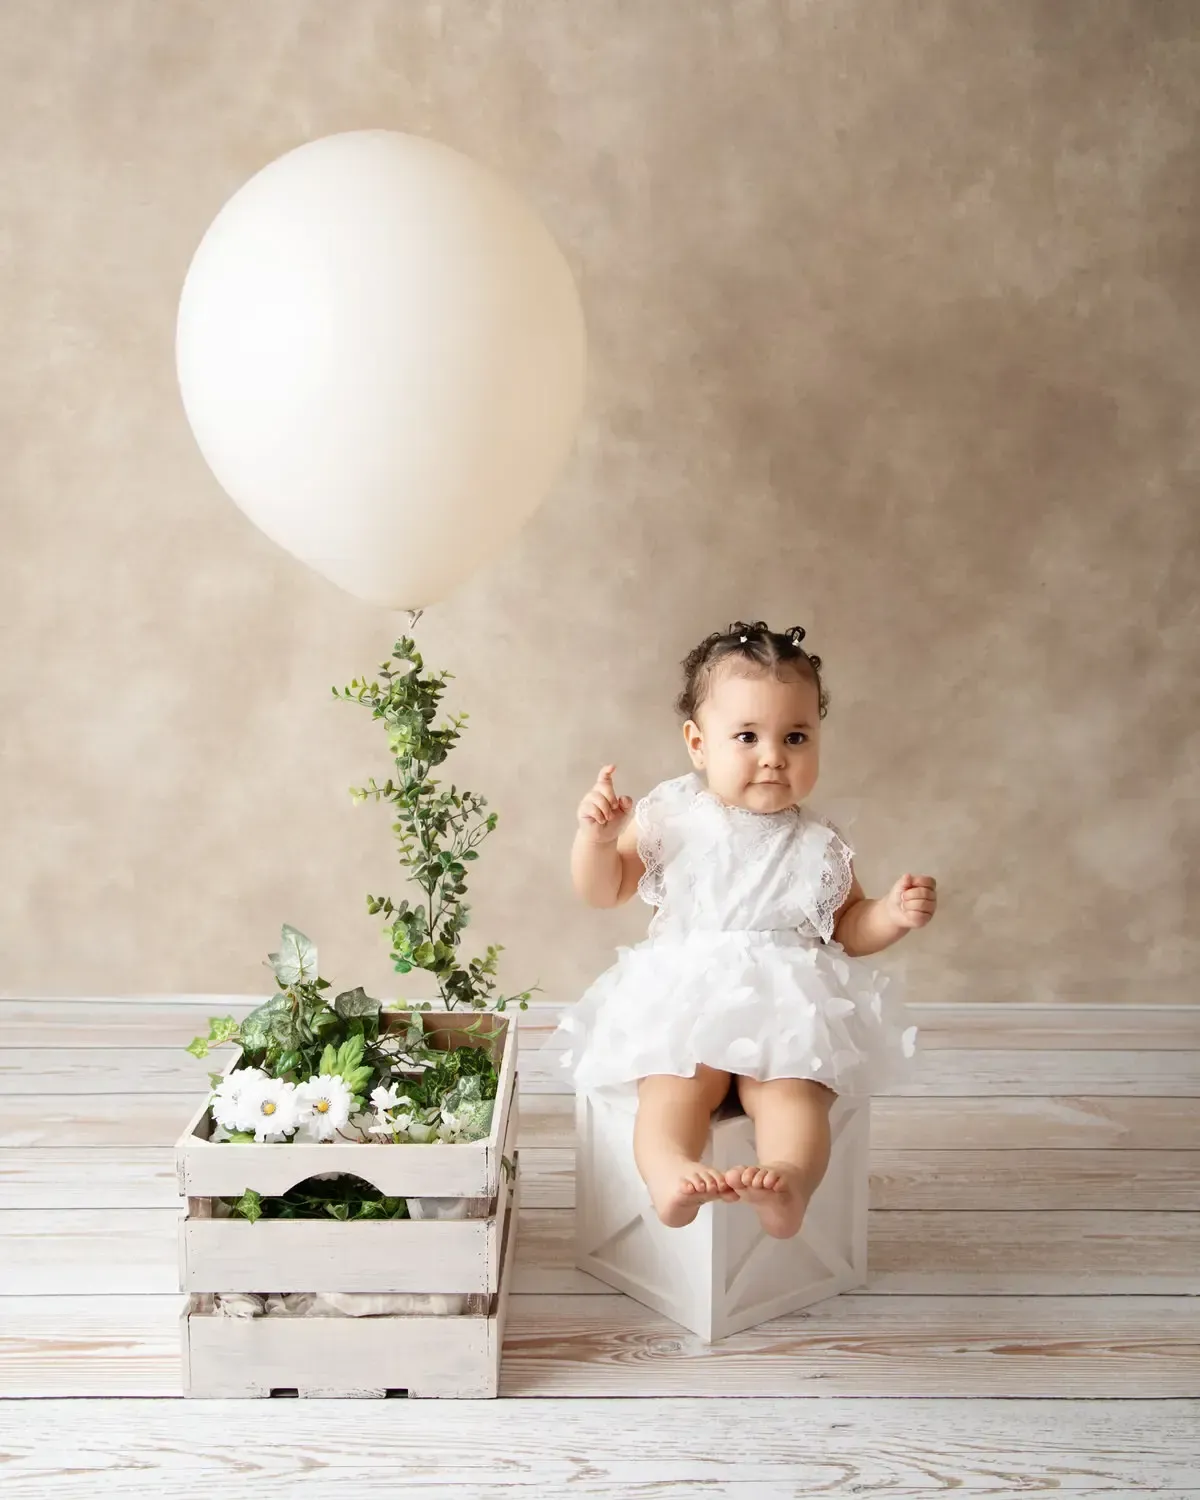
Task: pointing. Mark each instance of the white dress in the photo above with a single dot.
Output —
(740, 969)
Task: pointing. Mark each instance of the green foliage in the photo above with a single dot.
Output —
(248, 1206)
(438, 832)
(221, 1029)
(346, 1062)
(345, 1198)
(291, 1034)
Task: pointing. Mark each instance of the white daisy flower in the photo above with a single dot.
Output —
(324, 1106)
(385, 1102)
(392, 1124)
(226, 1102)
(384, 1099)
(452, 1125)
(268, 1107)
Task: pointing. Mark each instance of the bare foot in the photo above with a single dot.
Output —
(682, 1188)
(774, 1191)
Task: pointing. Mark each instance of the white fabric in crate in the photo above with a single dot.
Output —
(740, 969)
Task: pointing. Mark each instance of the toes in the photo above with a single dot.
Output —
(756, 1179)
(703, 1182)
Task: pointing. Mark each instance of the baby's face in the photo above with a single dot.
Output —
(757, 740)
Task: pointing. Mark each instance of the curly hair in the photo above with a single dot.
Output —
(754, 646)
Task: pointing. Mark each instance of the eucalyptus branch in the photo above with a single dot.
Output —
(438, 832)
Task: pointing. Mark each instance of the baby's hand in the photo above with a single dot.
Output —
(602, 814)
(912, 901)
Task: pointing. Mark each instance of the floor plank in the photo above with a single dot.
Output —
(67, 1071)
(27, 1071)
(610, 1345)
(1047, 1028)
(172, 1021)
(105, 1024)
(144, 1177)
(958, 1072)
(1036, 1254)
(1067, 1122)
(1120, 1180)
(120, 1251)
(82, 1345)
(862, 1346)
(548, 1121)
(832, 1447)
(89, 1177)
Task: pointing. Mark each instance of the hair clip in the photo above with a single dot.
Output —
(743, 639)
(797, 633)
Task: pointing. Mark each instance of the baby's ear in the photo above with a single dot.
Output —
(694, 741)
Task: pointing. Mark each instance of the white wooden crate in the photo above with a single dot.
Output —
(720, 1273)
(415, 1355)
(467, 1252)
(322, 1255)
(469, 1169)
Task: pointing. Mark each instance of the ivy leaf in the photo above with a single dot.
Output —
(356, 1002)
(221, 1029)
(249, 1206)
(296, 959)
(258, 1027)
(198, 1047)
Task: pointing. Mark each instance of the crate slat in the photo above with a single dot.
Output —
(419, 1355)
(319, 1255)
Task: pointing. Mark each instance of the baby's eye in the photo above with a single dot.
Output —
(747, 737)
(797, 737)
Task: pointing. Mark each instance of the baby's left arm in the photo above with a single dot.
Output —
(865, 926)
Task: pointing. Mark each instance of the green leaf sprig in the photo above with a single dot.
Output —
(438, 832)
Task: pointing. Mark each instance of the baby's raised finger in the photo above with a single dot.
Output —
(601, 806)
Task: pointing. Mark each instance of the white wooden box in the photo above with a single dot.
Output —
(720, 1273)
(469, 1253)
(470, 1169)
(414, 1356)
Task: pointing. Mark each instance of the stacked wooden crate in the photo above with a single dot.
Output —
(721, 1273)
(417, 1354)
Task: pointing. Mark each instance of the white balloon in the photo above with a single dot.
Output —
(381, 353)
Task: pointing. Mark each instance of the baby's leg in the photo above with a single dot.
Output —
(791, 1132)
(668, 1137)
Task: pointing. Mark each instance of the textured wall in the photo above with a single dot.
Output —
(893, 310)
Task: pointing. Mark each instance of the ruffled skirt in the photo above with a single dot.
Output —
(762, 1004)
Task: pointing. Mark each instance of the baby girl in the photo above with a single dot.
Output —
(753, 975)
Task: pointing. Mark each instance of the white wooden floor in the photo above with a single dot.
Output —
(1032, 1322)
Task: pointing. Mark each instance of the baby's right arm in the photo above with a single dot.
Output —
(605, 864)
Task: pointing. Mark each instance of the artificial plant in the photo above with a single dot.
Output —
(438, 831)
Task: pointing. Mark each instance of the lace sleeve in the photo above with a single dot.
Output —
(657, 815)
(647, 815)
(837, 877)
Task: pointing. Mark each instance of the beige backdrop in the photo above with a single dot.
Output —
(893, 316)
